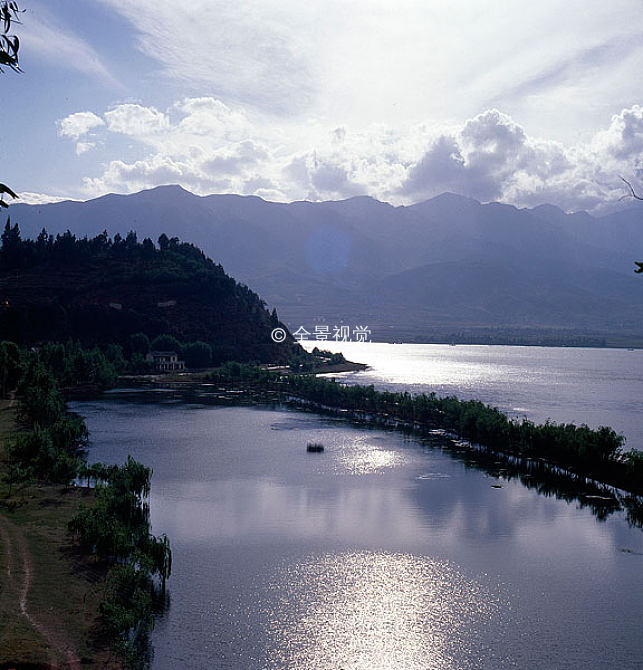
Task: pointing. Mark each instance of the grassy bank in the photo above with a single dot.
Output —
(80, 569)
(49, 591)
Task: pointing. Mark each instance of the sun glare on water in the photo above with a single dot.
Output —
(361, 457)
(375, 611)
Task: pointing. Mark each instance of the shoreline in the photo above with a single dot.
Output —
(49, 611)
(273, 389)
(534, 472)
(636, 345)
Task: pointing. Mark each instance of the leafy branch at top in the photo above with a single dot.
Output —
(633, 194)
(5, 189)
(9, 44)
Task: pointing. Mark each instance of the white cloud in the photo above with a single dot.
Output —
(209, 147)
(135, 120)
(29, 198)
(244, 51)
(83, 147)
(624, 137)
(209, 116)
(559, 68)
(492, 158)
(76, 125)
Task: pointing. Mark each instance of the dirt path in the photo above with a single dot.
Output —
(19, 575)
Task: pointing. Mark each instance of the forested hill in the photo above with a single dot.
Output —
(102, 290)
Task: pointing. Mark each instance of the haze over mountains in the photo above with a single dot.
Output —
(447, 267)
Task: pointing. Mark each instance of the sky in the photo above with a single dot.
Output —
(498, 100)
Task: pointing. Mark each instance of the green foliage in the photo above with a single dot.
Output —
(73, 365)
(101, 291)
(14, 473)
(165, 343)
(126, 611)
(197, 354)
(595, 453)
(116, 528)
(10, 366)
(116, 357)
(139, 343)
(565, 444)
(138, 365)
(40, 400)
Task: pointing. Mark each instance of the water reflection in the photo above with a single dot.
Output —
(552, 481)
(281, 563)
(374, 611)
(361, 456)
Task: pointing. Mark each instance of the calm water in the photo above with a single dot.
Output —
(379, 554)
(592, 386)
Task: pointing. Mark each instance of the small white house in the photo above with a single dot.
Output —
(165, 361)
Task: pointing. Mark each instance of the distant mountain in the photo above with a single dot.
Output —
(447, 265)
(101, 291)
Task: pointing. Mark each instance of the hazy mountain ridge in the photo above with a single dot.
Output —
(449, 262)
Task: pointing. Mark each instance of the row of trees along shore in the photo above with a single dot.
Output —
(51, 448)
(595, 453)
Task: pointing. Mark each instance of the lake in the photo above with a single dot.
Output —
(381, 553)
(565, 384)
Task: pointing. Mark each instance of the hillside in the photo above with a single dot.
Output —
(101, 290)
(447, 265)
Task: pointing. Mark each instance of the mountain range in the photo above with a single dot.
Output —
(449, 267)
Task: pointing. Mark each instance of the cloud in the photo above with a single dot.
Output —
(200, 142)
(236, 158)
(29, 198)
(208, 147)
(244, 51)
(364, 62)
(135, 120)
(492, 158)
(623, 140)
(209, 116)
(83, 147)
(76, 125)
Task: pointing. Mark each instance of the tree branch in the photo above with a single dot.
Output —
(632, 193)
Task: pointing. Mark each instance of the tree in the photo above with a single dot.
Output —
(197, 354)
(9, 46)
(139, 343)
(634, 194)
(166, 343)
(9, 366)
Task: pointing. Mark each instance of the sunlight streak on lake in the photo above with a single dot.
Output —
(361, 456)
(374, 611)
